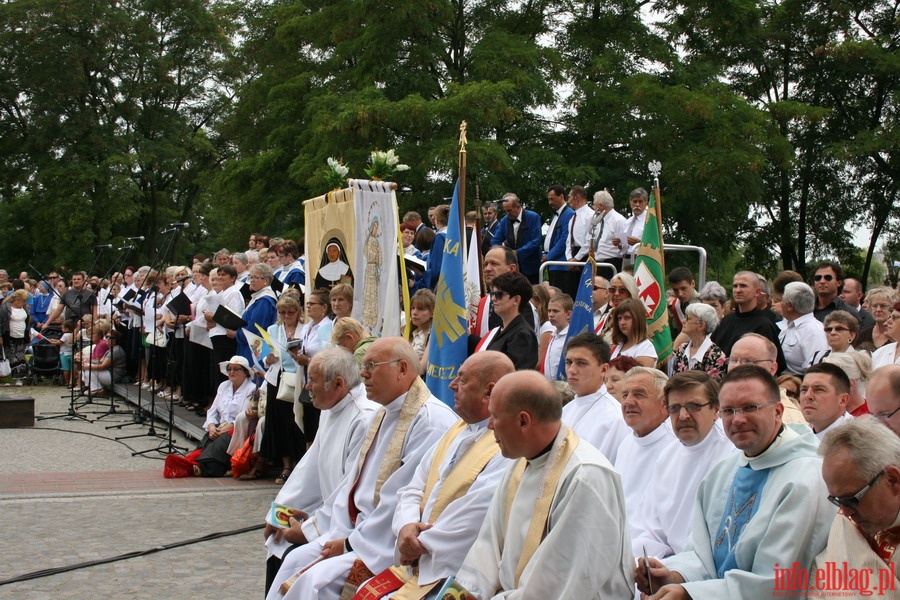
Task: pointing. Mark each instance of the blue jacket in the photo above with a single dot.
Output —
(529, 253)
(559, 237)
(434, 261)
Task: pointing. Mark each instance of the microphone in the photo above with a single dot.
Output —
(179, 225)
(126, 248)
(103, 246)
(139, 238)
(180, 279)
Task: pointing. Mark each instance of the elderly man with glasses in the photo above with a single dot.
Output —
(861, 469)
(762, 507)
(350, 537)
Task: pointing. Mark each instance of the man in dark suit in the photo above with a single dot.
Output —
(490, 222)
(555, 240)
(520, 230)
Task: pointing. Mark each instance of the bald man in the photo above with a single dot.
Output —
(560, 494)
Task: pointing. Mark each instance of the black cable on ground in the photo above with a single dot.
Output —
(97, 435)
(136, 554)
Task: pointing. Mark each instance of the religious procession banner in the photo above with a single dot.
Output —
(449, 329)
(330, 239)
(376, 294)
(649, 276)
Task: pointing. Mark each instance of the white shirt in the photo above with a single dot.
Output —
(611, 223)
(633, 227)
(231, 298)
(800, 340)
(579, 233)
(837, 423)
(597, 419)
(228, 403)
(885, 356)
(552, 228)
(554, 353)
(644, 348)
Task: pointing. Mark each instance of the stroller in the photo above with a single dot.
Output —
(45, 360)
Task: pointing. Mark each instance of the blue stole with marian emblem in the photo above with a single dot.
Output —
(743, 501)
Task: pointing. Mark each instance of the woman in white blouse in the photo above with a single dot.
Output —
(232, 398)
(629, 333)
(890, 353)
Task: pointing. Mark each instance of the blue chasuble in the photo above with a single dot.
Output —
(743, 501)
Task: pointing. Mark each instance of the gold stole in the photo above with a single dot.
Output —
(457, 482)
(560, 452)
(416, 397)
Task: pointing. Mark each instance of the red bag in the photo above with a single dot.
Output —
(180, 466)
(242, 460)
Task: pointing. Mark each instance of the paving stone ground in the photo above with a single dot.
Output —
(69, 494)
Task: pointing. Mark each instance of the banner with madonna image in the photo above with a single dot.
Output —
(376, 295)
(330, 239)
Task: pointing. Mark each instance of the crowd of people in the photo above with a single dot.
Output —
(571, 466)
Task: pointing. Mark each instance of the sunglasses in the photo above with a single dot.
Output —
(498, 294)
(854, 500)
(825, 277)
(830, 329)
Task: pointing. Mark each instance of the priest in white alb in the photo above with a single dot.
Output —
(556, 525)
(593, 414)
(332, 379)
(756, 510)
(861, 469)
(644, 410)
(441, 510)
(334, 564)
(692, 401)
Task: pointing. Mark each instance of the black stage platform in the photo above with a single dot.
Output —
(184, 420)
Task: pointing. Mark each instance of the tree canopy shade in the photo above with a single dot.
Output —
(106, 114)
(775, 122)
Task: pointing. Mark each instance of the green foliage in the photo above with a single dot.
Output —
(775, 123)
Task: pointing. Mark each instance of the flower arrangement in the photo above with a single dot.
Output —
(384, 165)
(336, 173)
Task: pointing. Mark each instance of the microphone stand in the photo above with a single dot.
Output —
(116, 267)
(155, 265)
(72, 412)
(167, 446)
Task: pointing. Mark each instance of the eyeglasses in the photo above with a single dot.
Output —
(315, 304)
(886, 416)
(617, 290)
(747, 361)
(729, 413)
(599, 287)
(880, 306)
(370, 365)
(854, 500)
(821, 277)
(53, 277)
(830, 329)
(691, 407)
(497, 294)
(234, 369)
(258, 278)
